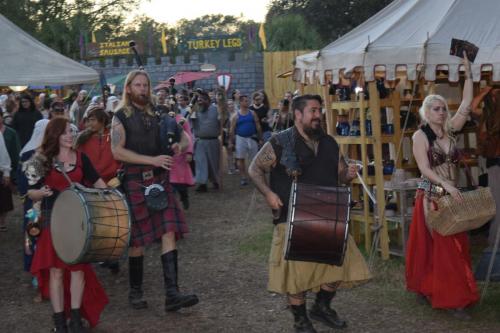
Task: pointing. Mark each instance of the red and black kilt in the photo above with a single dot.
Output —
(148, 225)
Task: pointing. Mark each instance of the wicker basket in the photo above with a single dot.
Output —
(452, 217)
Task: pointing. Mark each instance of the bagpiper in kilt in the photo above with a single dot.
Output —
(156, 214)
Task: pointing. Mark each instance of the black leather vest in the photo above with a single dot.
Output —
(142, 132)
(321, 169)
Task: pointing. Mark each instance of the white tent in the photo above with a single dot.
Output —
(408, 34)
(26, 61)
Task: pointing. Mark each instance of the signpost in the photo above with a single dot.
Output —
(112, 48)
(213, 43)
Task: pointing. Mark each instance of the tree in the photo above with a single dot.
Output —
(213, 25)
(330, 18)
(60, 23)
(291, 32)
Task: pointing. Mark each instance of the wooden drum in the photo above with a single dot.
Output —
(90, 225)
(318, 223)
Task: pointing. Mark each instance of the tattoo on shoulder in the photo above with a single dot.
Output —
(116, 136)
(266, 157)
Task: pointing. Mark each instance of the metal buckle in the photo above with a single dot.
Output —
(147, 175)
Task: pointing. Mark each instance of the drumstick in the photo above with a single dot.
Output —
(372, 198)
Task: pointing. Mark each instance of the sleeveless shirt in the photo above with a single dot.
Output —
(142, 132)
(320, 169)
(245, 125)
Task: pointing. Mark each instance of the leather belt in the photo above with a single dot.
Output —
(430, 188)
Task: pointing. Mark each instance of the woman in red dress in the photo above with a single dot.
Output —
(72, 289)
(438, 268)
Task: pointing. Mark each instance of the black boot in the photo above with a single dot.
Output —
(59, 322)
(174, 300)
(183, 193)
(75, 324)
(302, 324)
(135, 269)
(322, 312)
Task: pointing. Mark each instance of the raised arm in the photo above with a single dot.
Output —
(120, 153)
(262, 164)
(464, 110)
(476, 110)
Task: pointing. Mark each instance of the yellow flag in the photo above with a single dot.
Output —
(93, 38)
(163, 41)
(262, 36)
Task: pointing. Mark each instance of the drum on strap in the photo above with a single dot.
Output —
(318, 223)
(90, 225)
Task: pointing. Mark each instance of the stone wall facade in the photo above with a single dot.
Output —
(247, 69)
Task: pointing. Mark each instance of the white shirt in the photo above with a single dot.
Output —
(4, 157)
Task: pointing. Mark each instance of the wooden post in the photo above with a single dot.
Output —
(395, 101)
(379, 175)
(330, 119)
(364, 159)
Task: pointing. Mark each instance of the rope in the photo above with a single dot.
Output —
(250, 206)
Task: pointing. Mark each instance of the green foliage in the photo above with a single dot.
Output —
(208, 25)
(213, 25)
(291, 32)
(330, 18)
(60, 23)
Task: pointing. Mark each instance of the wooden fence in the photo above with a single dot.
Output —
(276, 63)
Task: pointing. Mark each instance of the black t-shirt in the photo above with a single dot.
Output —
(262, 113)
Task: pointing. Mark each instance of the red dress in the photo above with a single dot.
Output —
(439, 267)
(94, 297)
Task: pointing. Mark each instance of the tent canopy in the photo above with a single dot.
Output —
(184, 77)
(26, 61)
(405, 36)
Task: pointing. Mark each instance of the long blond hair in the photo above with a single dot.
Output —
(426, 106)
(125, 102)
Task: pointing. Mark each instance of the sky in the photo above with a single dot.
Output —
(158, 9)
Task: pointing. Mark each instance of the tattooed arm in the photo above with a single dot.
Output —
(261, 164)
(123, 154)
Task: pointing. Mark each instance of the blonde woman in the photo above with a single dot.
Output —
(438, 268)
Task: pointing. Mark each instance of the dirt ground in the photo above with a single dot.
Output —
(223, 261)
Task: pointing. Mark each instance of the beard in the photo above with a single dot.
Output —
(141, 100)
(313, 132)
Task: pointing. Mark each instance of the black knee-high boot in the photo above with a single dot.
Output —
(302, 324)
(60, 322)
(183, 193)
(75, 324)
(135, 269)
(321, 310)
(174, 299)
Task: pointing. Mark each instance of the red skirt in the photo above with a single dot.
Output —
(94, 297)
(439, 267)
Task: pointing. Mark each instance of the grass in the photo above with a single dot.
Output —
(388, 284)
(258, 242)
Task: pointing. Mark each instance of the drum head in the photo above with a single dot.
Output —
(68, 226)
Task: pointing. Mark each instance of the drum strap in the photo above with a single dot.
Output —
(286, 140)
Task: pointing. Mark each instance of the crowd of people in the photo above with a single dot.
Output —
(173, 140)
(91, 141)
